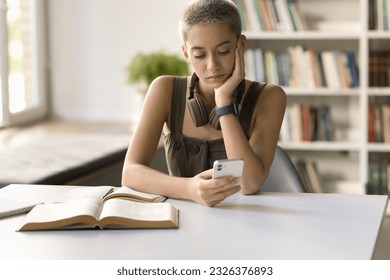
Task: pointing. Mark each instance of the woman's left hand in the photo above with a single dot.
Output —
(223, 94)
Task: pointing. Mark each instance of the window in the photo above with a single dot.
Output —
(22, 62)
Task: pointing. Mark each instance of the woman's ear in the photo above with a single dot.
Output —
(242, 40)
(185, 53)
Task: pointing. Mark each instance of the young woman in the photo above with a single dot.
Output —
(216, 113)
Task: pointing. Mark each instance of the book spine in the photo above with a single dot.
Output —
(249, 64)
(378, 123)
(241, 10)
(371, 124)
(378, 176)
(278, 21)
(353, 68)
(303, 174)
(260, 14)
(306, 123)
(284, 14)
(250, 9)
(371, 14)
(386, 122)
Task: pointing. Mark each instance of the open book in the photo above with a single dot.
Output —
(111, 211)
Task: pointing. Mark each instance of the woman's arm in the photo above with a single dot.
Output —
(144, 142)
(258, 153)
(265, 126)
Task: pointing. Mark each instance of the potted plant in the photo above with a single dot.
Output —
(144, 68)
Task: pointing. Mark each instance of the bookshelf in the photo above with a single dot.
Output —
(358, 27)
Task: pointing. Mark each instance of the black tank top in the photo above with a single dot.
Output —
(188, 156)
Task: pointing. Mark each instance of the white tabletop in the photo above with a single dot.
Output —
(266, 226)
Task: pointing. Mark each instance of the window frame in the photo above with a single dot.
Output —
(41, 110)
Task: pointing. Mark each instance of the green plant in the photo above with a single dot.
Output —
(144, 68)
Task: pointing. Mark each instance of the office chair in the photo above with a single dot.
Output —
(283, 176)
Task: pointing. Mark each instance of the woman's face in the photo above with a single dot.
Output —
(210, 49)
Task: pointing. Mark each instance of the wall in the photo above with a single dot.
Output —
(92, 41)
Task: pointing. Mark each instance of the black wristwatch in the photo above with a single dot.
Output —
(226, 110)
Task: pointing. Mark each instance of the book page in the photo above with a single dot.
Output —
(120, 213)
(128, 193)
(57, 215)
(136, 210)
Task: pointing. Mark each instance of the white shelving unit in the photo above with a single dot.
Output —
(343, 25)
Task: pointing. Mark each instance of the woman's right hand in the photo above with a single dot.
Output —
(208, 191)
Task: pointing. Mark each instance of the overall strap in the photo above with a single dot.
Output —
(249, 105)
(178, 103)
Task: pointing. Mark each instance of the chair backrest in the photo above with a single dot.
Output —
(283, 176)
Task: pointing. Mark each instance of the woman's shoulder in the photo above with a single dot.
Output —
(267, 87)
(165, 80)
(161, 90)
(270, 94)
(271, 90)
(161, 86)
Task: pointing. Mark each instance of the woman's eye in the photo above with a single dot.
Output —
(224, 52)
(199, 56)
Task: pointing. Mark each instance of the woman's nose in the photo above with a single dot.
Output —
(213, 63)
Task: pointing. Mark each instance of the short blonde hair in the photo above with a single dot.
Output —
(210, 11)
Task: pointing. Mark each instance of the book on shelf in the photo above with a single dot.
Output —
(320, 66)
(297, 19)
(119, 208)
(270, 15)
(325, 125)
(271, 70)
(315, 178)
(379, 15)
(331, 69)
(314, 74)
(371, 124)
(371, 15)
(379, 68)
(273, 16)
(298, 67)
(378, 176)
(241, 10)
(304, 122)
(386, 122)
(252, 18)
(295, 115)
(379, 122)
(310, 176)
(303, 174)
(284, 15)
(265, 9)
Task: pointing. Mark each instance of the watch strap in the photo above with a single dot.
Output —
(226, 110)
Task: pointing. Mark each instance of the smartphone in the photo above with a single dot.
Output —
(228, 167)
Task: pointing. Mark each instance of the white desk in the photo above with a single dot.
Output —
(267, 226)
